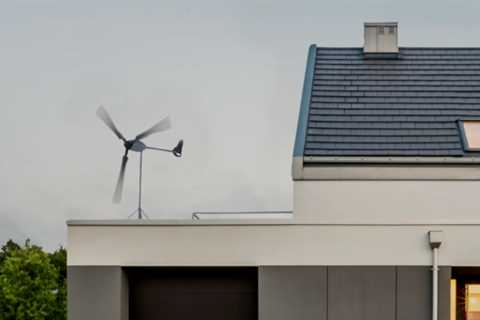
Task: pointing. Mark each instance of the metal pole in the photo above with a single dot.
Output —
(435, 285)
(140, 188)
(435, 239)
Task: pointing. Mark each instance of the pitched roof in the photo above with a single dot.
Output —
(410, 106)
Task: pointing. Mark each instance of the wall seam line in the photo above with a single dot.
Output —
(326, 296)
(396, 293)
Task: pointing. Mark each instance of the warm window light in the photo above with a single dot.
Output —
(471, 134)
(453, 299)
(472, 301)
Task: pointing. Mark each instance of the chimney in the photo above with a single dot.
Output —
(381, 40)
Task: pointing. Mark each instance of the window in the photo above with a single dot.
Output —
(465, 293)
(472, 301)
(453, 299)
(471, 134)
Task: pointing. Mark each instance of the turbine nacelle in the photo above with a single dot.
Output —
(135, 145)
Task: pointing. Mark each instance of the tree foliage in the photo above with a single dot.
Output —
(32, 283)
(59, 261)
(7, 249)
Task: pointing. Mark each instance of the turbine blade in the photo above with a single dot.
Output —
(160, 126)
(105, 117)
(117, 196)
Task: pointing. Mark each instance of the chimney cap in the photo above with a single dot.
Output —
(381, 24)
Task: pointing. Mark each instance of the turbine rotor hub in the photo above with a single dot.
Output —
(137, 146)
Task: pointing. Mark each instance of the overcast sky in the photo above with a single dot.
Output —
(229, 73)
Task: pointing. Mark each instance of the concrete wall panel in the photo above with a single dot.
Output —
(97, 293)
(287, 293)
(444, 276)
(414, 293)
(361, 293)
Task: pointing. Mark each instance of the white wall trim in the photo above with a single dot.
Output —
(258, 245)
(388, 172)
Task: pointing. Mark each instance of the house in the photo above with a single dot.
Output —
(386, 170)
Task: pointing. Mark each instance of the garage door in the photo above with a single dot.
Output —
(192, 293)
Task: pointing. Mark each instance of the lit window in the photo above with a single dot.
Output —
(453, 299)
(471, 135)
(472, 301)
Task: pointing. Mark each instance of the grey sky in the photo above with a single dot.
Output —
(228, 72)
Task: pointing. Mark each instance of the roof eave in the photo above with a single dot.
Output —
(391, 160)
(388, 168)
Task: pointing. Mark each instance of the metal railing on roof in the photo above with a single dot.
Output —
(197, 215)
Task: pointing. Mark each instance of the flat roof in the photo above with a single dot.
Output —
(176, 222)
(262, 222)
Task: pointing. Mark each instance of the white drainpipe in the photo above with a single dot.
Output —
(435, 239)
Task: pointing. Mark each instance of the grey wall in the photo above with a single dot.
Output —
(297, 292)
(292, 293)
(350, 292)
(97, 293)
(363, 293)
(414, 292)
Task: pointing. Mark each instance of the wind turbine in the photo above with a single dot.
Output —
(136, 145)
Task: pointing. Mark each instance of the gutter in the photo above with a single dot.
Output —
(389, 160)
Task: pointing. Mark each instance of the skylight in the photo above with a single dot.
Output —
(471, 134)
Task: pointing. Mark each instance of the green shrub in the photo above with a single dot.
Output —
(32, 285)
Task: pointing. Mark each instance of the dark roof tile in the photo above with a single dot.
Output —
(403, 107)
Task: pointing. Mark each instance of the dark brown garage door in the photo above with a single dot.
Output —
(192, 293)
